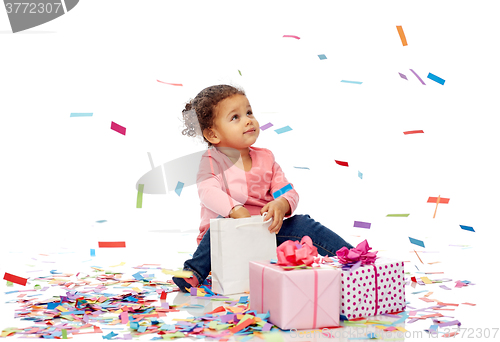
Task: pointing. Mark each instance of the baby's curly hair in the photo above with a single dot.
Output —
(199, 112)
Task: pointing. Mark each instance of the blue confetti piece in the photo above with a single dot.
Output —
(134, 325)
(243, 299)
(282, 191)
(298, 167)
(417, 242)
(321, 57)
(360, 175)
(283, 129)
(101, 221)
(111, 335)
(274, 261)
(467, 228)
(92, 252)
(436, 78)
(138, 276)
(73, 115)
(178, 188)
(52, 306)
(343, 318)
(354, 82)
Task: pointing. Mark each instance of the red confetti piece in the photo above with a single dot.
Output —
(116, 244)
(342, 163)
(15, 279)
(413, 132)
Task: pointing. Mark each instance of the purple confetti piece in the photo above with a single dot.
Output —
(444, 287)
(417, 76)
(266, 126)
(413, 320)
(446, 324)
(360, 224)
(402, 76)
(356, 266)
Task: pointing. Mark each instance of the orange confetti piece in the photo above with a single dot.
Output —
(402, 35)
(418, 256)
(470, 304)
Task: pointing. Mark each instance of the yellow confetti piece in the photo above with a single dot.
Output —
(426, 280)
(380, 327)
(178, 274)
(136, 289)
(401, 329)
(61, 308)
(120, 264)
(183, 319)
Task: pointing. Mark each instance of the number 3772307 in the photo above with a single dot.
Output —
(27, 7)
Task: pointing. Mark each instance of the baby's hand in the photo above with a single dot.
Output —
(240, 212)
(276, 209)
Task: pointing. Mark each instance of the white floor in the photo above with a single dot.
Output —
(163, 247)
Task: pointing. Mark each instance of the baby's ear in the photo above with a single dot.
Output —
(211, 136)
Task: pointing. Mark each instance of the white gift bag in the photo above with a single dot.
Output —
(233, 244)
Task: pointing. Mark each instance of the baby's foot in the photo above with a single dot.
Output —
(184, 283)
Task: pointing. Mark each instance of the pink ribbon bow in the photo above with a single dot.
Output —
(291, 253)
(359, 253)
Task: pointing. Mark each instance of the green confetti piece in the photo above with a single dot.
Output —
(176, 334)
(37, 287)
(139, 195)
(64, 334)
(240, 73)
(9, 283)
(398, 215)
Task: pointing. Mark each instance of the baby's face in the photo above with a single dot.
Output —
(235, 123)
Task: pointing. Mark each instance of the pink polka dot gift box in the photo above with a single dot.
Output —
(370, 286)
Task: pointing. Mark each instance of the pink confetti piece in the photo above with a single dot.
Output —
(290, 36)
(174, 84)
(117, 128)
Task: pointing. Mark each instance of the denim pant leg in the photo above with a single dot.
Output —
(201, 264)
(325, 240)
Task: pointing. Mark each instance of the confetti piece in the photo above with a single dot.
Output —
(298, 167)
(418, 258)
(92, 252)
(402, 76)
(15, 279)
(101, 221)
(240, 73)
(64, 333)
(426, 281)
(444, 287)
(342, 163)
(117, 128)
(140, 191)
(437, 200)
(414, 73)
(360, 175)
(266, 126)
(354, 82)
(178, 188)
(178, 274)
(413, 132)
(469, 304)
(436, 79)
(402, 35)
(290, 36)
(417, 242)
(398, 215)
(467, 228)
(321, 57)
(120, 264)
(114, 244)
(283, 129)
(174, 84)
(124, 317)
(360, 224)
(75, 115)
(282, 191)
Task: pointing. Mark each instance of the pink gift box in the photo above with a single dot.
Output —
(296, 299)
(372, 290)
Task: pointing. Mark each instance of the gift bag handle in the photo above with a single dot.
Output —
(252, 223)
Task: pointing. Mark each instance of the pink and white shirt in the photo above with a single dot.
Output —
(253, 189)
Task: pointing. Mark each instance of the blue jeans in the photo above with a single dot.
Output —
(294, 228)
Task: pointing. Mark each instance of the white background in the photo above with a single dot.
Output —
(61, 174)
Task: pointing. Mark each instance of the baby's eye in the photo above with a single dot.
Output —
(234, 116)
(250, 112)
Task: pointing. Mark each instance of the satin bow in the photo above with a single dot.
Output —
(359, 253)
(291, 253)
